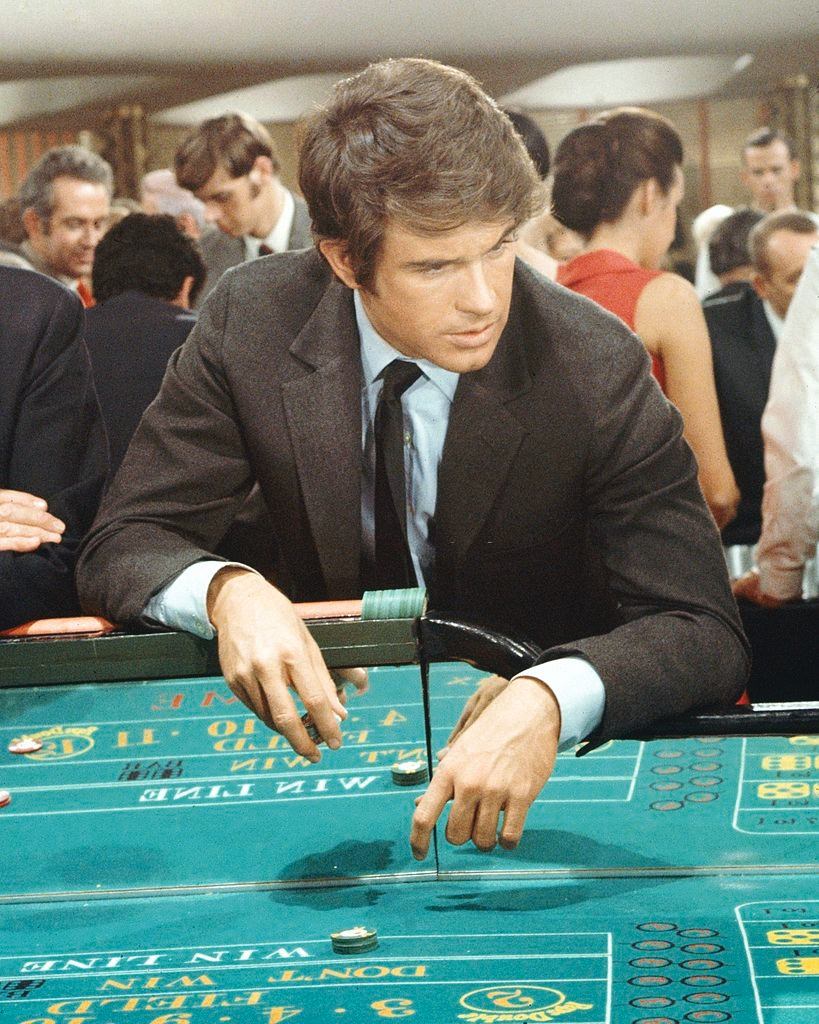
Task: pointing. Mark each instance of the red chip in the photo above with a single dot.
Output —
(25, 745)
(5, 797)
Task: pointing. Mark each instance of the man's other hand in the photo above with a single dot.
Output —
(488, 689)
(26, 523)
(498, 765)
(265, 650)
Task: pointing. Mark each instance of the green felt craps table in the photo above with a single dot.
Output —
(168, 783)
(653, 950)
(166, 859)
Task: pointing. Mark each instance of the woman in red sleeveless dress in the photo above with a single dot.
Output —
(618, 182)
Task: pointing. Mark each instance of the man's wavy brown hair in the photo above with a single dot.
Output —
(414, 142)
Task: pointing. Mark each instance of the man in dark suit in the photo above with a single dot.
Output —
(146, 276)
(230, 164)
(548, 489)
(742, 346)
(53, 456)
(744, 321)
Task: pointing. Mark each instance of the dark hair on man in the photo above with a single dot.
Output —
(786, 220)
(233, 141)
(416, 142)
(598, 165)
(533, 139)
(728, 245)
(767, 136)
(37, 191)
(146, 253)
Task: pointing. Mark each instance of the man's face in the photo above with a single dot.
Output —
(444, 298)
(67, 240)
(769, 175)
(787, 256)
(232, 204)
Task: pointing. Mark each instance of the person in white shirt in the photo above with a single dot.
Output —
(790, 429)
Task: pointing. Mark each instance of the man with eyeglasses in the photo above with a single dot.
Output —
(230, 164)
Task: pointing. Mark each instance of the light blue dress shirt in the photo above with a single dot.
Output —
(182, 604)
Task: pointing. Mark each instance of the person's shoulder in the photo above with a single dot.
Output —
(30, 282)
(669, 288)
(734, 303)
(215, 241)
(551, 305)
(278, 278)
(29, 301)
(568, 332)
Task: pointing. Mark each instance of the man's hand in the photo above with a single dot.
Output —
(25, 522)
(264, 650)
(748, 588)
(497, 765)
(488, 689)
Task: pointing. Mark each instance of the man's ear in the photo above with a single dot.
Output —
(261, 171)
(337, 254)
(186, 222)
(33, 223)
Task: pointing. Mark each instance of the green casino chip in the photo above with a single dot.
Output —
(394, 604)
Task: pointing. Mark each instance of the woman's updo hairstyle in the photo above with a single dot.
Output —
(599, 165)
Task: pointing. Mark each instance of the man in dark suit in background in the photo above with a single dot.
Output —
(549, 492)
(146, 276)
(742, 344)
(744, 321)
(53, 456)
(230, 164)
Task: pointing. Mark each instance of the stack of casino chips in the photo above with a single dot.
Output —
(355, 940)
(409, 773)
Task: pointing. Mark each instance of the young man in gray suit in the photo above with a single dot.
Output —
(548, 490)
(230, 164)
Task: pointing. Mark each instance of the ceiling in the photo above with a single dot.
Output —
(167, 53)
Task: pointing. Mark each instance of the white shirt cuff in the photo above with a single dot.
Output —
(182, 603)
(580, 695)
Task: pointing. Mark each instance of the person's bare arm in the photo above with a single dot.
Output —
(670, 321)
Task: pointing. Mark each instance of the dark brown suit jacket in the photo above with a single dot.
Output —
(568, 508)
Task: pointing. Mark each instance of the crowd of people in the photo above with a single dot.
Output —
(541, 484)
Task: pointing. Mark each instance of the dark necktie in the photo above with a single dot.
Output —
(265, 250)
(393, 564)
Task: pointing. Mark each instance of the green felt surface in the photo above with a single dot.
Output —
(166, 859)
(162, 784)
(590, 951)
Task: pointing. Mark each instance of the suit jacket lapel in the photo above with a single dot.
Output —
(482, 440)
(323, 409)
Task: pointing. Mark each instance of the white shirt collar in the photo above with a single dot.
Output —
(376, 354)
(774, 319)
(279, 238)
